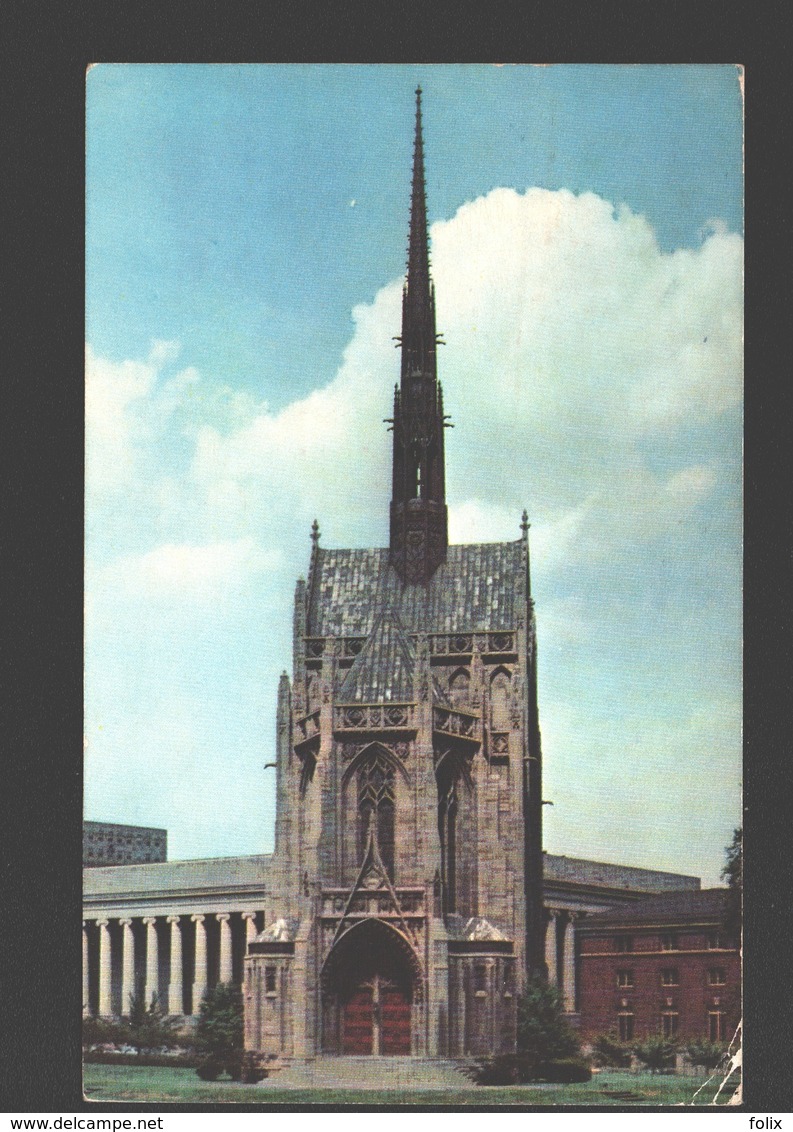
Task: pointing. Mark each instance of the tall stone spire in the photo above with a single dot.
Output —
(419, 530)
(418, 309)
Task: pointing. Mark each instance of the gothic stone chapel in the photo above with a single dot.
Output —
(407, 874)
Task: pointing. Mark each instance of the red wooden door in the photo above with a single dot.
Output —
(394, 1021)
(359, 1022)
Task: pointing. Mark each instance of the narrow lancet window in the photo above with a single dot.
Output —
(376, 809)
(448, 806)
(500, 701)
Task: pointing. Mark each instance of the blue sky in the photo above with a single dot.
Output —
(246, 233)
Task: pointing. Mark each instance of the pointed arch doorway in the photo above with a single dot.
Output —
(370, 989)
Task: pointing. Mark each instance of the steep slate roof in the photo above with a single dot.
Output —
(383, 670)
(474, 589)
(668, 908)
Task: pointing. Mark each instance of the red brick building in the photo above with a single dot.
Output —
(663, 965)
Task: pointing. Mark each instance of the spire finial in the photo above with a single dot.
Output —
(315, 533)
(524, 523)
(419, 526)
(418, 275)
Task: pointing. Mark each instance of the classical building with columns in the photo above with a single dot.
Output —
(173, 929)
(178, 928)
(408, 898)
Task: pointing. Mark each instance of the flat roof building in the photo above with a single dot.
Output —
(106, 843)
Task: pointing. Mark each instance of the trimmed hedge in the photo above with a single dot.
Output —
(503, 1069)
(566, 1070)
(245, 1067)
(209, 1068)
(522, 1069)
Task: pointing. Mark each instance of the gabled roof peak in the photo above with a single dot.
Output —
(383, 670)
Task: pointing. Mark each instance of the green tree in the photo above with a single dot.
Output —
(656, 1053)
(608, 1050)
(732, 873)
(707, 1054)
(543, 1031)
(147, 1026)
(100, 1031)
(548, 1048)
(220, 1035)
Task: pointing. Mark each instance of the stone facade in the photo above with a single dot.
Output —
(401, 795)
(408, 898)
(408, 837)
(408, 869)
(183, 909)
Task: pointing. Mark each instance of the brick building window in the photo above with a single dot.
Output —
(715, 1026)
(624, 978)
(669, 977)
(716, 977)
(715, 941)
(270, 981)
(480, 978)
(669, 941)
(623, 943)
(625, 1026)
(669, 1023)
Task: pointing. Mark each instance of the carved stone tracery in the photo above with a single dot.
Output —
(374, 717)
(376, 805)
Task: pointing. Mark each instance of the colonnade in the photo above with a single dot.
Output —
(176, 958)
(560, 958)
(179, 958)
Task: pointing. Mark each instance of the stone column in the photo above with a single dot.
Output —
(86, 983)
(568, 960)
(550, 945)
(225, 973)
(127, 966)
(200, 977)
(105, 1007)
(250, 928)
(175, 986)
(492, 998)
(461, 1021)
(152, 986)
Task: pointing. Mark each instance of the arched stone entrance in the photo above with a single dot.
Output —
(371, 986)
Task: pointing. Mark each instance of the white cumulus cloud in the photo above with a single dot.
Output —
(589, 376)
(112, 389)
(186, 572)
(572, 339)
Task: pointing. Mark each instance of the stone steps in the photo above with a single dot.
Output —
(369, 1073)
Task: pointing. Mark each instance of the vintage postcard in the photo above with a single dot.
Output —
(413, 584)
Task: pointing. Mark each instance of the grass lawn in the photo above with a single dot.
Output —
(133, 1083)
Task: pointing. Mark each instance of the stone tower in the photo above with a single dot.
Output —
(408, 861)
